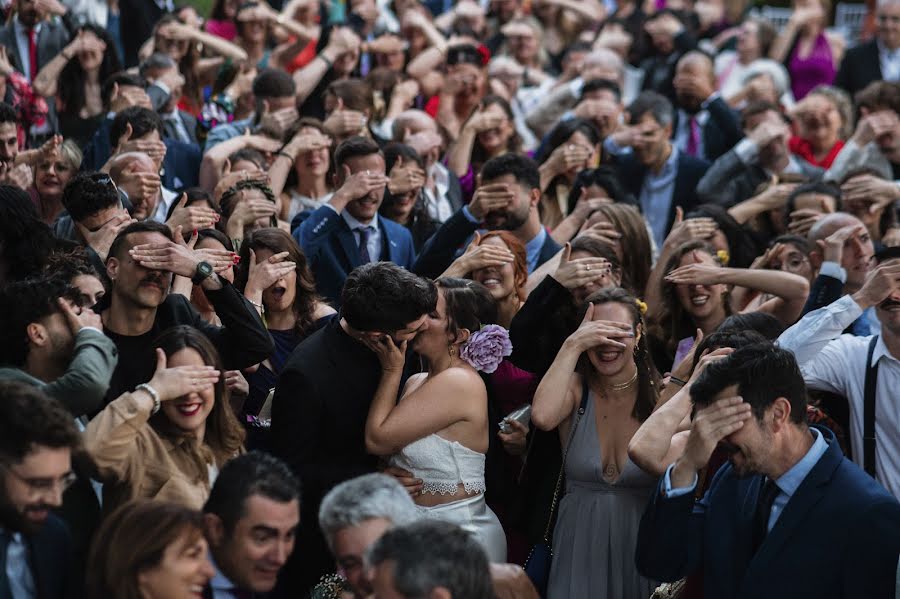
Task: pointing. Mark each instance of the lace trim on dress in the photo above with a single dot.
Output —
(448, 488)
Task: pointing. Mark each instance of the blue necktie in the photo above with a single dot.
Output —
(364, 233)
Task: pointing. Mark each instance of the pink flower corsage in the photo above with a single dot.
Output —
(486, 348)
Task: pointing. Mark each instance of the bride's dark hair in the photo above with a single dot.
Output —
(469, 304)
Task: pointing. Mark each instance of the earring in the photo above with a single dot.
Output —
(450, 350)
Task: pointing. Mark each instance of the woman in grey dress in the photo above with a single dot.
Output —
(605, 360)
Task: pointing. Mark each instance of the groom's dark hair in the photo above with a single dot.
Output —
(381, 296)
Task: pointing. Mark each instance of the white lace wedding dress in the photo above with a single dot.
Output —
(442, 466)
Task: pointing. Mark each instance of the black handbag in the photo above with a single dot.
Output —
(537, 566)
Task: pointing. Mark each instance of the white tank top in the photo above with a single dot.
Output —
(442, 465)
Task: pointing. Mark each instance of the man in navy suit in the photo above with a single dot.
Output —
(788, 516)
(348, 231)
(507, 198)
(37, 438)
(654, 170)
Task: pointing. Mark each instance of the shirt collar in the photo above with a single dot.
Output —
(355, 224)
(219, 582)
(22, 29)
(533, 248)
(885, 51)
(790, 481)
(881, 351)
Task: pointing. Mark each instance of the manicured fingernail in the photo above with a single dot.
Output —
(195, 232)
(218, 217)
(236, 259)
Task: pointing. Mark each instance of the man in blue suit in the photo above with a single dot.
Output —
(348, 231)
(789, 516)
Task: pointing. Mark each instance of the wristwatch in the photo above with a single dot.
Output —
(204, 271)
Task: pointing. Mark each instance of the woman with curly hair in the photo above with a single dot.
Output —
(276, 278)
(168, 438)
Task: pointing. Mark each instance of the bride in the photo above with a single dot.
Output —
(439, 429)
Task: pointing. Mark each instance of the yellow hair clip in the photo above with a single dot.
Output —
(723, 257)
(641, 306)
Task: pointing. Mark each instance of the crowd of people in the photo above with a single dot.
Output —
(469, 299)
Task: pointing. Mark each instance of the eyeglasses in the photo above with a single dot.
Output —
(42, 486)
(104, 179)
(894, 19)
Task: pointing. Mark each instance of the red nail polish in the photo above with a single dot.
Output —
(195, 232)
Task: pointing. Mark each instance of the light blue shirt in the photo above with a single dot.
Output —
(18, 572)
(533, 249)
(222, 588)
(787, 483)
(227, 131)
(374, 243)
(656, 197)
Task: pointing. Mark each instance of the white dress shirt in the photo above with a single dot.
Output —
(831, 361)
(167, 198)
(437, 204)
(682, 136)
(889, 61)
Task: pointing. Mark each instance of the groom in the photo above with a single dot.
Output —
(323, 394)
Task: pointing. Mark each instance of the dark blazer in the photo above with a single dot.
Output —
(720, 132)
(52, 38)
(318, 427)
(729, 181)
(51, 561)
(158, 99)
(242, 341)
(332, 250)
(838, 536)
(450, 240)
(180, 168)
(859, 67)
(690, 171)
(136, 21)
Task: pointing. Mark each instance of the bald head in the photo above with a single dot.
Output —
(695, 80)
(830, 224)
(843, 238)
(412, 121)
(603, 63)
(135, 162)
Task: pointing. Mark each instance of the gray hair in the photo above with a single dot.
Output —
(654, 104)
(365, 498)
(157, 60)
(71, 154)
(431, 554)
(607, 58)
(842, 103)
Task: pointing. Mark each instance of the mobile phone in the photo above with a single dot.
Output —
(521, 415)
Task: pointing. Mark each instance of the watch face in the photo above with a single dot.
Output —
(204, 269)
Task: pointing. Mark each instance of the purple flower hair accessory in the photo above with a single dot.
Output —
(486, 348)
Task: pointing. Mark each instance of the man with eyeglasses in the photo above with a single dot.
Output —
(875, 60)
(37, 440)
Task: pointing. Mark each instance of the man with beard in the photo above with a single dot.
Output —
(37, 439)
(865, 370)
(655, 171)
(55, 344)
(507, 198)
(706, 127)
(142, 261)
(347, 230)
(761, 155)
(787, 497)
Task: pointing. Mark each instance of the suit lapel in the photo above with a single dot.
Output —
(798, 508)
(875, 60)
(388, 242)
(13, 48)
(348, 243)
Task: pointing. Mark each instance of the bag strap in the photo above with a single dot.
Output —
(562, 469)
(869, 410)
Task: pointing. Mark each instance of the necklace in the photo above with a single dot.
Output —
(625, 385)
